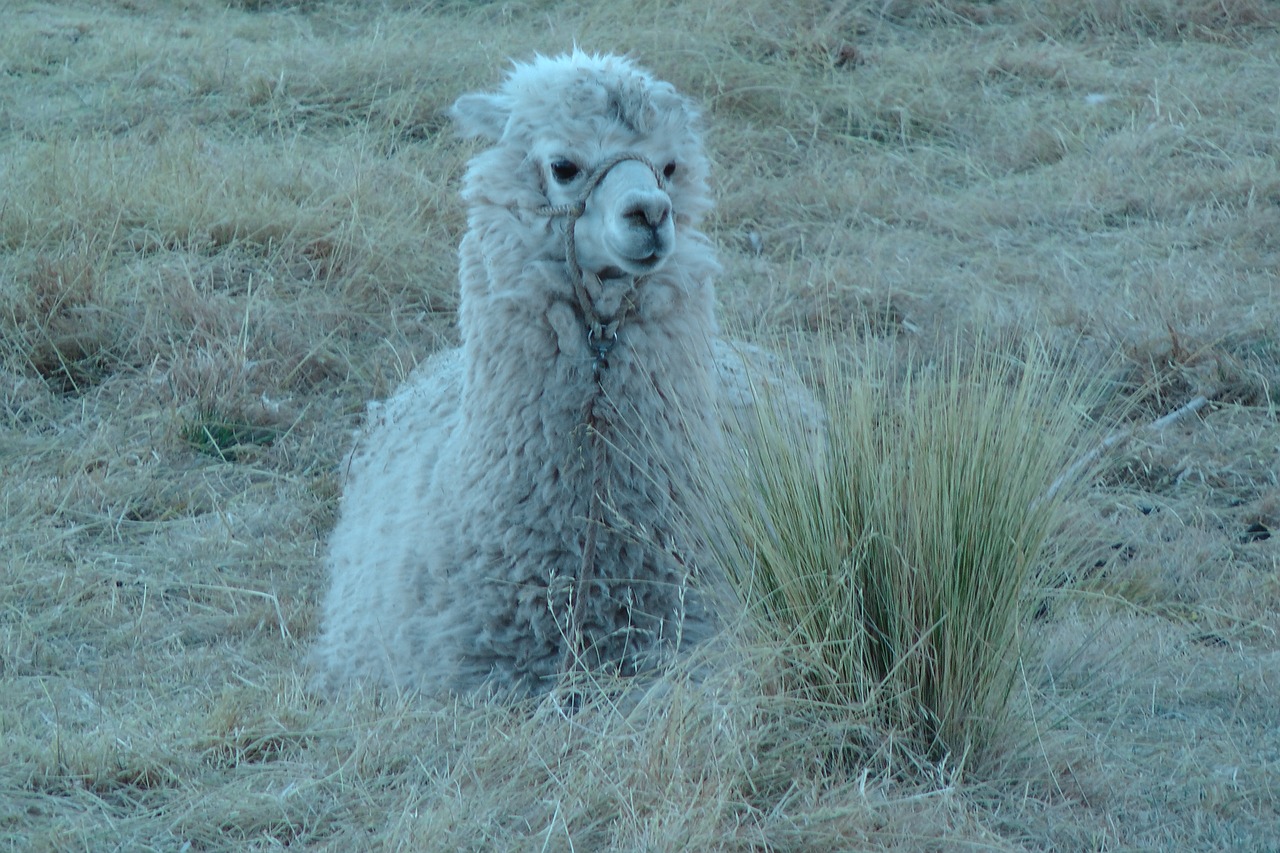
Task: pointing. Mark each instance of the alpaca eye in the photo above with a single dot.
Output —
(564, 171)
(669, 169)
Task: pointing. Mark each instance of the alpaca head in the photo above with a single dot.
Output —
(598, 132)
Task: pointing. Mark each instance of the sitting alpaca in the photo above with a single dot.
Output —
(533, 502)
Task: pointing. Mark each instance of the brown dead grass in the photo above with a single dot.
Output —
(224, 227)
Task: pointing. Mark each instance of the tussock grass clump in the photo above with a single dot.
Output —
(899, 563)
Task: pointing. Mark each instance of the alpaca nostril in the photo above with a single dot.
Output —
(636, 217)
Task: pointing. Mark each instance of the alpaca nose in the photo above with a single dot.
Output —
(649, 210)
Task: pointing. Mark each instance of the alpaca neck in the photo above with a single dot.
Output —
(522, 320)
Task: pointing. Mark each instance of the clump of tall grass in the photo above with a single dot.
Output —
(899, 563)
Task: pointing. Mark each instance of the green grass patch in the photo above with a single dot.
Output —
(227, 438)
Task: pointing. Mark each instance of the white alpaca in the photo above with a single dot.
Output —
(532, 502)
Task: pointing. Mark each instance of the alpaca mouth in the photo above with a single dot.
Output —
(634, 267)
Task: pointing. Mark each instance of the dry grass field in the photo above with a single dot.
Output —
(227, 224)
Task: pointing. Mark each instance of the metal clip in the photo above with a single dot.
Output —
(601, 339)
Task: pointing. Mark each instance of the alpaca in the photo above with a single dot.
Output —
(535, 501)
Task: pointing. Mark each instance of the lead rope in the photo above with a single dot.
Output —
(602, 335)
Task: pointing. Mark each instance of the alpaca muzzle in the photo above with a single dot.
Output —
(636, 226)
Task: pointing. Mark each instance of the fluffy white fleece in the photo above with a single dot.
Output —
(465, 511)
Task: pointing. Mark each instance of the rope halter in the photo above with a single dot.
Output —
(602, 332)
(602, 335)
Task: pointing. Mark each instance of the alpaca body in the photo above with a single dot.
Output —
(496, 487)
(465, 523)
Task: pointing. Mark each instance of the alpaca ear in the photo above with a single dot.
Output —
(481, 115)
